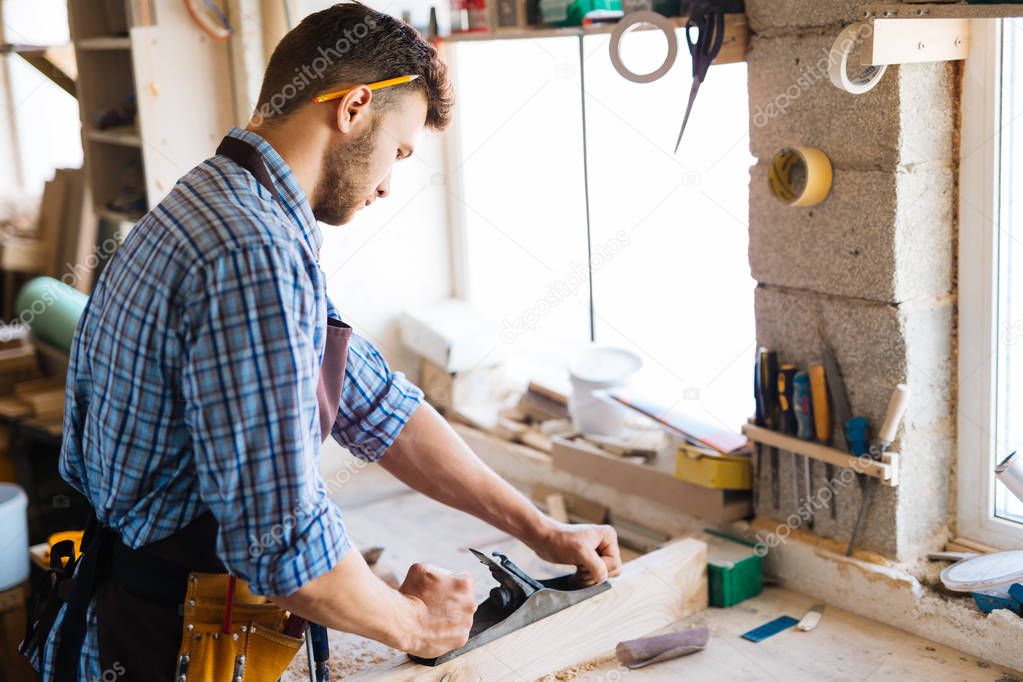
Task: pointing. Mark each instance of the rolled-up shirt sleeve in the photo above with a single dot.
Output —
(249, 385)
(376, 402)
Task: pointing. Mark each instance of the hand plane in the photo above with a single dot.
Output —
(517, 601)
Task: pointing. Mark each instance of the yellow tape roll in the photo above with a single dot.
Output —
(800, 176)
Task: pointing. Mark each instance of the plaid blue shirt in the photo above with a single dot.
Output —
(192, 383)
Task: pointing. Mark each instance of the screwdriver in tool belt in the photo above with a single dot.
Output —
(767, 388)
(896, 409)
(822, 420)
(789, 425)
(803, 407)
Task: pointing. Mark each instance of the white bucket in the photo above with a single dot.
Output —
(13, 536)
(595, 370)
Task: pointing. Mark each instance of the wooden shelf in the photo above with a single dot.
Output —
(886, 470)
(118, 216)
(733, 48)
(939, 11)
(126, 137)
(104, 43)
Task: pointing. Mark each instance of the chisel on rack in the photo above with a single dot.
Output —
(767, 383)
(802, 406)
(822, 421)
(789, 425)
(840, 407)
(896, 409)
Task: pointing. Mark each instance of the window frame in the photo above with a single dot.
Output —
(979, 209)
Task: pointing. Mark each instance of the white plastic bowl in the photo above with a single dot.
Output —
(13, 536)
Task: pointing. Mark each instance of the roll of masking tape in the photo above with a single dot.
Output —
(838, 61)
(628, 23)
(800, 176)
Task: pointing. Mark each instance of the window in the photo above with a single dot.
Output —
(991, 289)
(668, 234)
(43, 117)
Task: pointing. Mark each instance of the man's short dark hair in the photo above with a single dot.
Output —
(348, 44)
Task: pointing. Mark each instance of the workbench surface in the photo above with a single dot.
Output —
(845, 646)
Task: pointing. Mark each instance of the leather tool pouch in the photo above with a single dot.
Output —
(253, 650)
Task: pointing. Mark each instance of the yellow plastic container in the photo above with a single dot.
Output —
(710, 469)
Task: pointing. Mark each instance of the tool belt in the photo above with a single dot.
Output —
(163, 611)
(231, 640)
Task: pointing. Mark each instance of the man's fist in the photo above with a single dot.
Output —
(444, 605)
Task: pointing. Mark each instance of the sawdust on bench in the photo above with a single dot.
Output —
(577, 670)
(349, 654)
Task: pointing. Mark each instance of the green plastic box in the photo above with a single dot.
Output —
(734, 571)
(571, 12)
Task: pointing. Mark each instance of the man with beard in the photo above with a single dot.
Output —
(208, 366)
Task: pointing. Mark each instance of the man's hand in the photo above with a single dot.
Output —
(444, 605)
(592, 549)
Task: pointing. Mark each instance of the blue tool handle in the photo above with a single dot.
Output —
(321, 650)
(856, 431)
(801, 404)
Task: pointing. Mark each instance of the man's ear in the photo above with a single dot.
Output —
(353, 108)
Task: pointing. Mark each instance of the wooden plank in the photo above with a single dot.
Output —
(910, 41)
(46, 405)
(654, 481)
(733, 46)
(653, 591)
(887, 471)
(939, 11)
(12, 408)
(183, 85)
(532, 471)
(18, 359)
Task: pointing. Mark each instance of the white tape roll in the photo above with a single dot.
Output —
(838, 61)
(629, 22)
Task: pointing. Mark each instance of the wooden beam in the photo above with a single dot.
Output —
(912, 41)
(733, 47)
(653, 591)
(916, 10)
(886, 469)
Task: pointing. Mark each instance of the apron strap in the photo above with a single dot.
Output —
(96, 546)
(249, 158)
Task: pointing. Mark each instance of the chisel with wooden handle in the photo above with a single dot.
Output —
(896, 410)
(822, 421)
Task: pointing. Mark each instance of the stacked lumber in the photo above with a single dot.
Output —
(18, 363)
(41, 399)
(43, 248)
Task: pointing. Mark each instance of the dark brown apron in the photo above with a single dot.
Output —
(139, 592)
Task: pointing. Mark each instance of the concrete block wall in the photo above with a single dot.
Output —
(871, 270)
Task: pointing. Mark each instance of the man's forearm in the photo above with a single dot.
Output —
(430, 457)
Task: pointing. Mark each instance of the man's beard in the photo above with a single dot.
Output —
(340, 192)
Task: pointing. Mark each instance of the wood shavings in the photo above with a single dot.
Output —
(349, 655)
(578, 670)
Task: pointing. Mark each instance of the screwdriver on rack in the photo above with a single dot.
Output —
(767, 382)
(760, 420)
(803, 407)
(789, 425)
(856, 430)
(822, 420)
